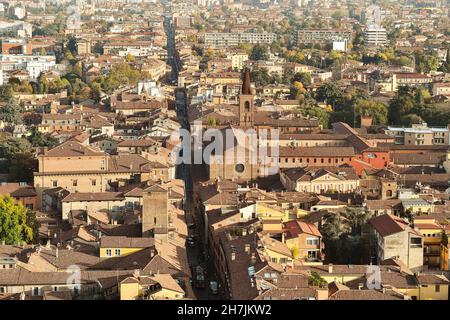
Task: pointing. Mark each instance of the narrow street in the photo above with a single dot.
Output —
(196, 256)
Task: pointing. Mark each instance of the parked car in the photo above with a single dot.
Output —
(214, 287)
(191, 243)
(199, 277)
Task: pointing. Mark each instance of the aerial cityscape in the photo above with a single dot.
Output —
(224, 150)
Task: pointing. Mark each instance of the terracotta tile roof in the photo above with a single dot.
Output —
(16, 190)
(295, 228)
(22, 277)
(363, 295)
(312, 173)
(73, 149)
(418, 158)
(94, 196)
(316, 152)
(275, 245)
(125, 242)
(423, 278)
(148, 105)
(387, 225)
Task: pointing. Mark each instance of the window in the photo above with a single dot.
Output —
(240, 168)
(55, 289)
(29, 206)
(312, 241)
(55, 183)
(74, 183)
(247, 106)
(437, 288)
(35, 291)
(2, 290)
(416, 242)
(117, 252)
(108, 252)
(94, 182)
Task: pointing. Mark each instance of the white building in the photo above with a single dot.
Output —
(20, 28)
(221, 40)
(375, 36)
(34, 65)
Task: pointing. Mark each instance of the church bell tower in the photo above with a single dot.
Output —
(246, 102)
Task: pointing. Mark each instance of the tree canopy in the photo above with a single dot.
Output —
(17, 225)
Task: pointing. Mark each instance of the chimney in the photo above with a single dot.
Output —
(330, 268)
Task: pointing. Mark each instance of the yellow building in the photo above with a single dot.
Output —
(276, 251)
(435, 254)
(123, 246)
(157, 287)
(304, 241)
(433, 286)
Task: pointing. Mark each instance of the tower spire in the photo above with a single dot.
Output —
(246, 88)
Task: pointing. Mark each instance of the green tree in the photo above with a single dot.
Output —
(259, 52)
(303, 77)
(316, 280)
(335, 225)
(317, 112)
(38, 139)
(15, 224)
(6, 93)
(261, 77)
(426, 63)
(444, 238)
(377, 110)
(11, 113)
(330, 93)
(410, 119)
(72, 45)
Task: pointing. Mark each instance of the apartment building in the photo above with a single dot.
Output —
(61, 122)
(322, 36)
(238, 59)
(419, 134)
(34, 65)
(16, 46)
(396, 239)
(304, 240)
(223, 40)
(441, 88)
(123, 48)
(320, 179)
(19, 28)
(435, 253)
(375, 36)
(155, 69)
(78, 168)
